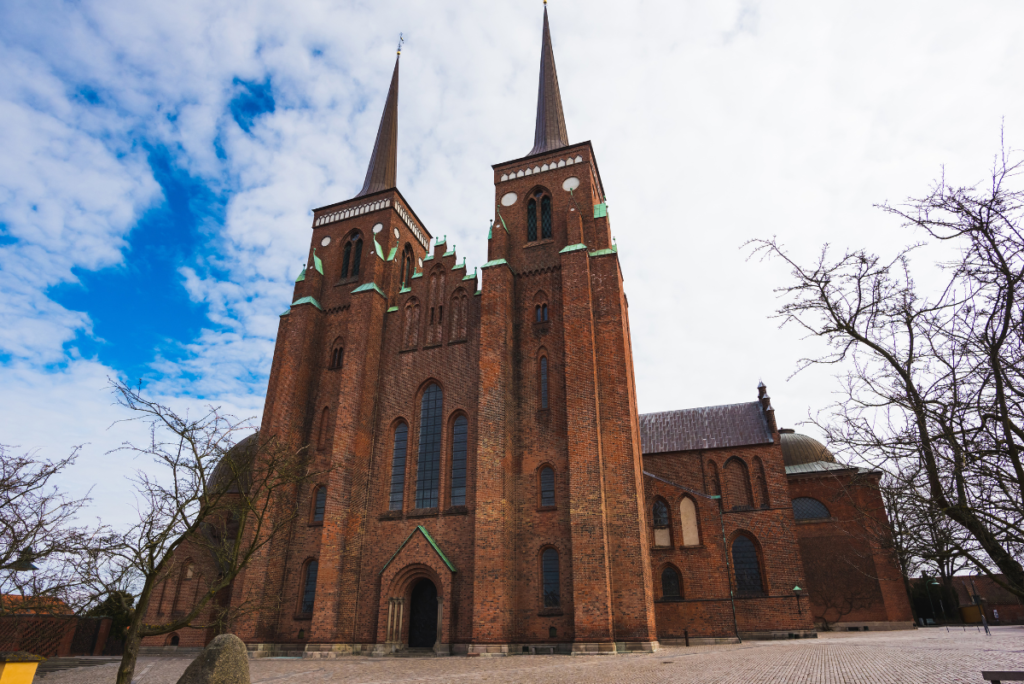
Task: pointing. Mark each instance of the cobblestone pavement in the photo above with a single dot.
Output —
(930, 655)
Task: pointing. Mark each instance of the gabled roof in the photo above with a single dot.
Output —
(430, 540)
(708, 427)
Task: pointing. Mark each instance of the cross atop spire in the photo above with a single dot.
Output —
(384, 163)
(550, 133)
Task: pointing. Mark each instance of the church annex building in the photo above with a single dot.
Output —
(495, 490)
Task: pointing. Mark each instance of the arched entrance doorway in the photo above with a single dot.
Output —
(423, 615)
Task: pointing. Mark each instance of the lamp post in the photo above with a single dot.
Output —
(928, 590)
(797, 590)
(941, 604)
(23, 563)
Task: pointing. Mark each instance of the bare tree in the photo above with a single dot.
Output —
(217, 501)
(933, 383)
(42, 542)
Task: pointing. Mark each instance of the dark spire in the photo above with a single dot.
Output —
(550, 133)
(384, 162)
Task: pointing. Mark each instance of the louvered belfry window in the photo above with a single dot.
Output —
(428, 465)
(398, 467)
(459, 439)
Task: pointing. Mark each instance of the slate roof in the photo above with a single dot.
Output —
(708, 427)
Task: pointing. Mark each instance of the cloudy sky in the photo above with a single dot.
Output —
(158, 164)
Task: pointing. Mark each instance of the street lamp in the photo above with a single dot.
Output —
(23, 563)
(797, 590)
(941, 604)
(928, 590)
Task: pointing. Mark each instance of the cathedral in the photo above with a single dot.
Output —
(492, 488)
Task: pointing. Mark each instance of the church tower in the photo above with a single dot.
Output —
(558, 394)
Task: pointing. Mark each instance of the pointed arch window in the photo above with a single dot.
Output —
(545, 217)
(428, 464)
(309, 588)
(337, 356)
(547, 487)
(688, 521)
(319, 504)
(543, 382)
(737, 485)
(398, 452)
(460, 438)
(351, 256)
(531, 220)
(412, 324)
(670, 584)
(405, 276)
(662, 533)
(549, 572)
(746, 567)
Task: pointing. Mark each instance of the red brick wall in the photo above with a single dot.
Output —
(705, 570)
(844, 555)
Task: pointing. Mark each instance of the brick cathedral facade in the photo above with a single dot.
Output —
(492, 488)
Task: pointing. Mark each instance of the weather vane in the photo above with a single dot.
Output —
(402, 40)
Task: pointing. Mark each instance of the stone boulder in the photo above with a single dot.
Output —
(224, 661)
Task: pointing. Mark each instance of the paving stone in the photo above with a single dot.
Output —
(929, 655)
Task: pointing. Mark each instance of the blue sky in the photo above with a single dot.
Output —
(160, 161)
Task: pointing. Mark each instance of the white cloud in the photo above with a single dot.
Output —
(714, 122)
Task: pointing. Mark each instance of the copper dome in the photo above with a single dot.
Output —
(800, 449)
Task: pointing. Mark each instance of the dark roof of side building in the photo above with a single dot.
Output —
(708, 427)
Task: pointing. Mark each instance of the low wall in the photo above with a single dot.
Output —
(54, 635)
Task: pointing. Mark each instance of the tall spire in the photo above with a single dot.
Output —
(384, 162)
(550, 134)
